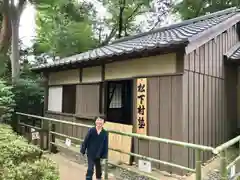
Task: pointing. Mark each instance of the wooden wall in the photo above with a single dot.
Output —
(207, 85)
(87, 99)
(87, 106)
(164, 119)
(70, 130)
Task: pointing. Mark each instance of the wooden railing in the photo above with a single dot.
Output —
(222, 151)
(198, 148)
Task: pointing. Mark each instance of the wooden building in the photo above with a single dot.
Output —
(178, 82)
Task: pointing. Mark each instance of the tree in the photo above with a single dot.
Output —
(10, 16)
(70, 27)
(64, 28)
(123, 15)
(193, 8)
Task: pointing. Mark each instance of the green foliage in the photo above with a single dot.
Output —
(193, 8)
(42, 169)
(15, 149)
(122, 16)
(22, 161)
(7, 102)
(63, 28)
(29, 96)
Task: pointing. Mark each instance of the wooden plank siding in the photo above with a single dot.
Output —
(206, 117)
(87, 105)
(164, 120)
(78, 132)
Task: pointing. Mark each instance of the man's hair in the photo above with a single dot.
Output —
(101, 117)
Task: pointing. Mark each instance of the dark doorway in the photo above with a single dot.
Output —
(119, 96)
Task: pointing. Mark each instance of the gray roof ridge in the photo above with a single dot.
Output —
(176, 25)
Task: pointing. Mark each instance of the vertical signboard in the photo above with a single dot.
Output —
(142, 106)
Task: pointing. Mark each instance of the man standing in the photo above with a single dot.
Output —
(96, 143)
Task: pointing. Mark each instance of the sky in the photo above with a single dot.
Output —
(27, 25)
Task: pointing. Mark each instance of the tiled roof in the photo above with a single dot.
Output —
(162, 37)
(236, 54)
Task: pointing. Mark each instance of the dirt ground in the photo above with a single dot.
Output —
(70, 170)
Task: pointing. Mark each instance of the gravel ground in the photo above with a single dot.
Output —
(126, 175)
(214, 175)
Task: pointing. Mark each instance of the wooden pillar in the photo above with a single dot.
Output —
(44, 124)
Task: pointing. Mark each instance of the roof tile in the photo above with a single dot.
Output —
(236, 54)
(174, 34)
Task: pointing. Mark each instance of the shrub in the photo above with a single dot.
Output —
(18, 151)
(43, 169)
(29, 96)
(15, 148)
(22, 161)
(7, 102)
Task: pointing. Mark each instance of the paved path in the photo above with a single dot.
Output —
(69, 170)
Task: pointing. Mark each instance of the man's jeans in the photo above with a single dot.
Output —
(90, 169)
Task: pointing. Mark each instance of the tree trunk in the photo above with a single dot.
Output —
(15, 13)
(15, 18)
(5, 34)
(120, 25)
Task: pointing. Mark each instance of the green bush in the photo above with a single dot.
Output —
(43, 169)
(15, 148)
(18, 151)
(7, 102)
(5, 130)
(29, 96)
(22, 161)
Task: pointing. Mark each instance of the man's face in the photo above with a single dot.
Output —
(99, 122)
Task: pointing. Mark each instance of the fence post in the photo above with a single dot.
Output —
(106, 169)
(223, 168)
(18, 124)
(198, 163)
(49, 136)
(41, 135)
(54, 147)
(239, 147)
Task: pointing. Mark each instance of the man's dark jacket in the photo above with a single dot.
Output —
(96, 144)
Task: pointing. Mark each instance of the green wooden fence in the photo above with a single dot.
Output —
(198, 148)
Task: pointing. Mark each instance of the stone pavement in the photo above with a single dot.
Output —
(70, 170)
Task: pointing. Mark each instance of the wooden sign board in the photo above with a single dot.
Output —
(116, 141)
(141, 108)
(35, 135)
(68, 142)
(144, 166)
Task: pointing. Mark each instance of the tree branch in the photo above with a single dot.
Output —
(109, 37)
(134, 11)
(21, 6)
(158, 21)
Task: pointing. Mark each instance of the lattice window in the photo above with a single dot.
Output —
(115, 95)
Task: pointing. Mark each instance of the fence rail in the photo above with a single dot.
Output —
(222, 149)
(198, 148)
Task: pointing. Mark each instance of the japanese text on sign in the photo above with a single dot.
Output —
(35, 135)
(142, 106)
